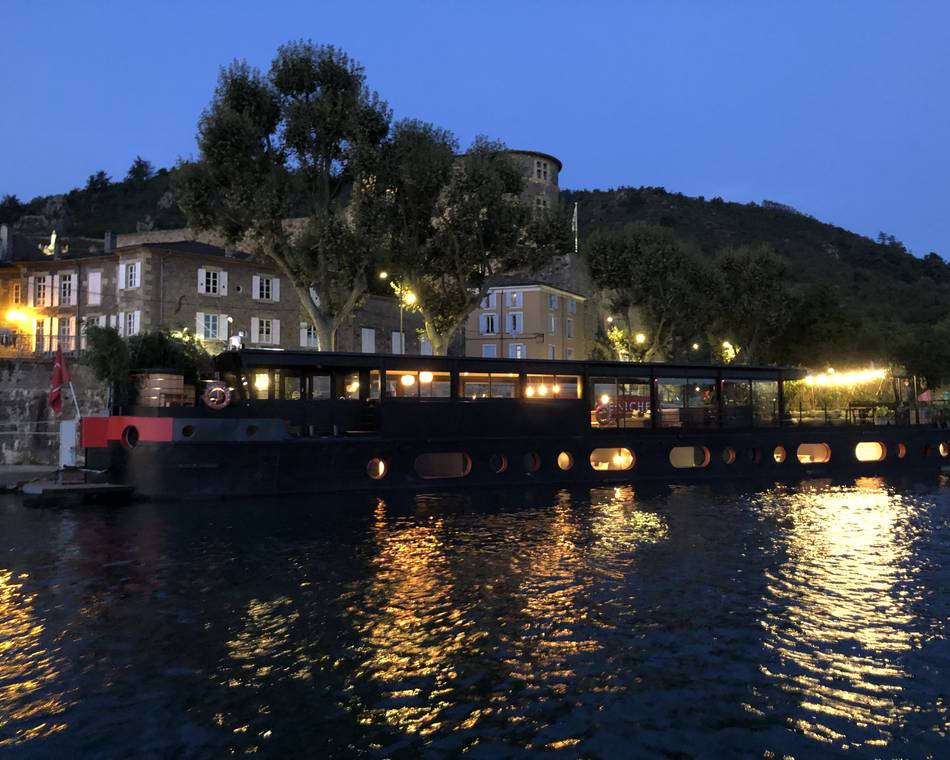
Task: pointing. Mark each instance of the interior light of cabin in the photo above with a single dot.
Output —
(408, 380)
(425, 377)
(542, 390)
(261, 382)
(605, 399)
(620, 460)
(555, 389)
(353, 387)
(529, 391)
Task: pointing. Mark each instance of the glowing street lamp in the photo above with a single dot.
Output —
(640, 339)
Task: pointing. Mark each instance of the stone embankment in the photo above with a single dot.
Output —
(29, 431)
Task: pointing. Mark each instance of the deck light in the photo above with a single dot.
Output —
(640, 339)
(605, 399)
(383, 275)
(408, 380)
(529, 391)
(695, 347)
(610, 320)
(425, 377)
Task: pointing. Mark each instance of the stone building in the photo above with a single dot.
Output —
(522, 318)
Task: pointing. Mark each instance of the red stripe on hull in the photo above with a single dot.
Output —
(98, 431)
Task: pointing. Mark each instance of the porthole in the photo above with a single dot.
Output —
(188, 431)
(498, 463)
(872, 451)
(901, 451)
(813, 453)
(688, 457)
(728, 455)
(779, 454)
(928, 450)
(130, 437)
(443, 464)
(565, 461)
(755, 455)
(250, 431)
(376, 468)
(944, 449)
(612, 459)
(532, 462)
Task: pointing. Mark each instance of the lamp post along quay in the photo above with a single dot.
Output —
(405, 298)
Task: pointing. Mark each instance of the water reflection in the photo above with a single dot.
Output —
(844, 609)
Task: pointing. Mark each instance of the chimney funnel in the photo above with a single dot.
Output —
(108, 242)
(6, 243)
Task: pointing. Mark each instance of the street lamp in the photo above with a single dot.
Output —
(406, 298)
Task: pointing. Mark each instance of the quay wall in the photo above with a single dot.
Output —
(29, 431)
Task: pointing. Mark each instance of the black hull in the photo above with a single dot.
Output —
(194, 469)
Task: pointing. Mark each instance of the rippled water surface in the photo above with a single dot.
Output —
(692, 621)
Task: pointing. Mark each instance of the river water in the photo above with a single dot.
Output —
(806, 620)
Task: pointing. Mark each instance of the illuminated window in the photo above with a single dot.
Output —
(443, 464)
(292, 387)
(765, 411)
(689, 457)
(901, 451)
(736, 403)
(553, 386)
(351, 386)
(514, 299)
(944, 449)
(517, 351)
(417, 384)
(320, 387)
(612, 459)
(779, 454)
(478, 385)
(261, 385)
(813, 453)
(376, 468)
(872, 451)
(565, 461)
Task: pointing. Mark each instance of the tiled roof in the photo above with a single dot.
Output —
(191, 246)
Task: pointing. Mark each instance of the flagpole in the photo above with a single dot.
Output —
(575, 225)
(75, 399)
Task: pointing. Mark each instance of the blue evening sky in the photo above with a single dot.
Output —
(841, 109)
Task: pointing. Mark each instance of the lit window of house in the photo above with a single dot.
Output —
(517, 351)
(514, 299)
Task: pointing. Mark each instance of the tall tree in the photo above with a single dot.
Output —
(98, 182)
(754, 300)
(458, 221)
(306, 136)
(10, 209)
(650, 279)
(140, 170)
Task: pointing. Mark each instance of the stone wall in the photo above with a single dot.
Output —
(29, 432)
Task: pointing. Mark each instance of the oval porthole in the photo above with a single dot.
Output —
(188, 431)
(688, 457)
(728, 455)
(901, 451)
(944, 449)
(813, 453)
(250, 431)
(755, 456)
(498, 463)
(871, 451)
(565, 461)
(443, 464)
(779, 454)
(130, 437)
(532, 462)
(376, 468)
(612, 459)
(928, 450)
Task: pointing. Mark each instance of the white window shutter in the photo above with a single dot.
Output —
(94, 289)
(120, 277)
(303, 334)
(223, 327)
(222, 283)
(256, 287)
(30, 290)
(201, 280)
(275, 289)
(121, 325)
(136, 321)
(138, 273)
(200, 324)
(54, 293)
(275, 331)
(72, 333)
(53, 333)
(48, 299)
(255, 330)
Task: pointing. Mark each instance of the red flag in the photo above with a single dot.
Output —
(57, 381)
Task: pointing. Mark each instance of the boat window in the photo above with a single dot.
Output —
(375, 383)
(701, 410)
(612, 459)
(870, 451)
(553, 386)
(813, 453)
(351, 386)
(418, 384)
(736, 403)
(765, 412)
(620, 402)
(320, 387)
(565, 460)
(670, 400)
(260, 384)
(476, 385)
(688, 457)
(443, 464)
(292, 385)
(778, 454)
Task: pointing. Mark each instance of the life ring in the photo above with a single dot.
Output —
(216, 396)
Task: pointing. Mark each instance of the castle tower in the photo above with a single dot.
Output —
(541, 172)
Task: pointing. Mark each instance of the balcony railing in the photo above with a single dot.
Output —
(26, 346)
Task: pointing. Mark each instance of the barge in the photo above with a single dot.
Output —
(282, 422)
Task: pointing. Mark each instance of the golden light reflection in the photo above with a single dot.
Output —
(31, 705)
(844, 619)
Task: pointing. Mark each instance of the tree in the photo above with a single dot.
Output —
(139, 171)
(653, 284)
(456, 221)
(307, 135)
(754, 302)
(98, 182)
(10, 209)
(108, 356)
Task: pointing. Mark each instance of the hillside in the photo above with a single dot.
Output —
(877, 281)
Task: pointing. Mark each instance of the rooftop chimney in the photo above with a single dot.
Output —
(6, 243)
(108, 242)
